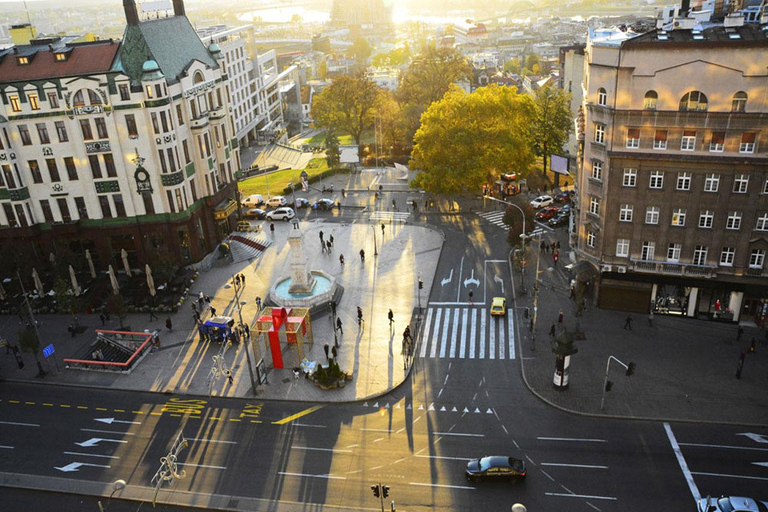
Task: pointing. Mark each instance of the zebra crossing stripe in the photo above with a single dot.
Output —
(425, 334)
(482, 334)
(463, 349)
(433, 350)
(444, 337)
(455, 332)
(501, 338)
(473, 338)
(511, 335)
(492, 340)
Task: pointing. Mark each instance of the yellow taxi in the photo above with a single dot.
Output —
(499, 306)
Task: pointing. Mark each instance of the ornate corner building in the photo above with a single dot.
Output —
(673, 171)
(115, 145)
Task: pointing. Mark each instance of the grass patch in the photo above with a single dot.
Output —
(278, 180)
(344, 140)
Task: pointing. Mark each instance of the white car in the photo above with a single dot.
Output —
(282, 213)
(542, 201)
(276, 202)
(253, 201)
(730, 504)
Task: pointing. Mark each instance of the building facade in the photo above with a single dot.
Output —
(112, 145)
(673, 177)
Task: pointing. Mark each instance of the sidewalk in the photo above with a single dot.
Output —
(183, 363)
(685, 368)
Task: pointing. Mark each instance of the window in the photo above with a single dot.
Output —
(149, 91)
(591, 239)
(747, 142)
(53, 99)
(757, 258)
(650, 101)
(726, 256)
(594, 206)
(163, 165)
(694, 101)
(683, 181)
(179, 115)
(734, 220)
(93, 97)
(69, 163)
(700, 255)
(170, 201)
(26, 140)
(53, 169)
(762, 222)
(739, 103)
(119, 205)
(188, 159)
(171, 160)
(625, 213)
(717, 142)
(706, 219)
(15, 103)
(673, 252)
(602, 97)
(600, 134)
(657, 179)
(712, 183)
(106, 211)
(64, 209)
(82, 211)
(158, 90)
(678, 217)
(765, 187)
(60, 56)
(109, 164)
(42, 132)
(125, 93)
(164, 121)
(622, 248)
(101, 128)
(34, 170)
(660, 139)
(648, 249)
(61, 131)
(47, 212)
(79, 99)
(34, 101)
(597, 170)
(740, 183)
(633, 137)
(95, 166)
(130, 124)
(193, 189)
(85, 127)
(155, 125)
(207, 138)
(652, 215)
(688, 142)
(630, 177)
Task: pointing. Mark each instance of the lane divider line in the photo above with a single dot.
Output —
(443, 457)
(571, 439)
(298, 415)
(19, 424)
(311, 448)
(721, 475)
(6, 447)
(456, 434)
(92, 455)
(442, 486)
(562, 465)
(329, 477)
(210, 440)
(726, 447)
(585, 496)
(200, 465)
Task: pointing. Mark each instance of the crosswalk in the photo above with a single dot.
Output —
(466, 333)
(389, 216)
(494, 218)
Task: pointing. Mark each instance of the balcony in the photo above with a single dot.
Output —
(217, 113)
(200, 121)
(672, 268)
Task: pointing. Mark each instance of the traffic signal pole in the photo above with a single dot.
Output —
(630, 370)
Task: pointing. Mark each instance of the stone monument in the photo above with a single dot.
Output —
(302, 281)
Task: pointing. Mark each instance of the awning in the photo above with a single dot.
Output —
(583, 271)
(224, 209)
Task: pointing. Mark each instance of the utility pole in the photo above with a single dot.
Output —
(375, 248)
(607, 385)
(33, 322)
(238, 290)
(169, 468)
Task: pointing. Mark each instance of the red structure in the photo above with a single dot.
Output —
(294, 322)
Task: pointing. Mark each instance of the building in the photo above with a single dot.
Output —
(117, 145)
(361, 13)
(571, 76)
(673, 184)
(385, 77)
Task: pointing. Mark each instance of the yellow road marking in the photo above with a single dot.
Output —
(48, 405)
(30, 403)
(215, 419)
(81, 407)
(176, 415)
(65, 406)
(156, 413)
(234, 419)
(119, 410)
(194, 417)
(137, 412)
(14, 401)
(298, 415)
(255, 421)
(101, 409)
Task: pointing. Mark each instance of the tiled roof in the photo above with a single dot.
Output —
(82, 60)
(750, 34)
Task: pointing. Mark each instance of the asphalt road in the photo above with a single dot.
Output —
(254, 455)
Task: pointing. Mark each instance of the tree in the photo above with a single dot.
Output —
(512, 66)
(514, 221)
(466, 140)
(66, 301)
(31, 343)
(332, 154)
(116, 306)
(391, 123)
(346, 105)
(532, 60)
(322, 70)
(360, 50)
(430, 75)
(553, 122)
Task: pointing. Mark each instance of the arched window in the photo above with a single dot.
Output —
(693, 101)
(602, 97)
(93, 98)
(78, 100)
(650, 100)
(199, 77)
(739, 102)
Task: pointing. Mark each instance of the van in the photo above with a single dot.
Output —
(253, 201)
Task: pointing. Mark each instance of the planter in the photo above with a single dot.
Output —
(333, 385)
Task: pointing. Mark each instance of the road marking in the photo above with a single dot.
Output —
(763, 464)
(700, 445)
(721, 475)
(482, 334)
(96, 440)
(14, 401)
(492, 338)
(329, 477)
(456, 434)
(442, 486)
(310, 448)
(444, 337)
(6, 447)
(110, 421)
(106, 431)
(547, 475)
(559, 465)
(501, 338)
(425, 334)
(511, 334)
(201, 465)
(92, 455)
(19, 424)
(82, 407)
(75, 466)
(586, 496)
(683, 464)
(376, 430)
(300, 424)
(47, 404)
(444, 458)
(210, 440)
(571, 439)
(455, 333)
(101, 409)
(64, 406)
(29, 403)
(758, 438)
(298, 415)
(433, 349)
(463, 348)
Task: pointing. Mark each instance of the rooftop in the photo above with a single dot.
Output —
(41, 63)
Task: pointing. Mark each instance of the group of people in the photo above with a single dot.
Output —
(327, 245)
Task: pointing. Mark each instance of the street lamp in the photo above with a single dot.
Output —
(117, 485)
(519, 507)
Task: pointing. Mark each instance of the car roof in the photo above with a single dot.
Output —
(498, 300)
(500, 461)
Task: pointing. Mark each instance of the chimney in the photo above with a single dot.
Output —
(131, 12)
(178, 8)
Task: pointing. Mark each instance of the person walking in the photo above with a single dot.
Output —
(242, 279)
(650, 319)
(329, 245)
(555, 256)
(326, 348)
(341, 260)
(552, 330)
(272, 229)
(169, 324)
(362, 255)
(322, 246)
(359, 316)
(628, 323)
(321, 236)
(739, 332)
(330, 240)
(560, 316)
(391, 317)
(334, 352)
(542, 246)
(103, 319)
(382, 229)
(338, 326)
(213, 311)
(407, 333)
(752, 346)
(333, 308)
(258, 302)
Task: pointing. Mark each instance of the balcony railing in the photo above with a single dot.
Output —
(672, 268)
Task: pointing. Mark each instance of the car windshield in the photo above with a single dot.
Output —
(494, 462)
(725, 505)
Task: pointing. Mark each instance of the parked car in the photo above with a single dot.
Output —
(495, 467)
(566, 208)
(253, 201)
(255, 213)
(282, 213)
(564, 197)
(499, 306)
(547, 213)
(542, 201)
(560, 220)
(324, 204)
(731, 504)
(299, 203)
(246, 227)
(276, 202)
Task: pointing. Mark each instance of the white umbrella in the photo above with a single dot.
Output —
(2, 292)
(150, 281)
(52, 257)
(90, 263)
(73, 277)
(113, 280)
(38, 283)
(126, 266)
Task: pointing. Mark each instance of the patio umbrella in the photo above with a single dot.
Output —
(90, 264)
(52, 257)
(113, 280)
(2, 292)
(150, 280)
(38, 283)
(126, 266)
(73, 277)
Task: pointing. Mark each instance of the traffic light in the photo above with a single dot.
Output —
(385, 490)
(630, 369)
(608, 385)
(485, 189)
(525, 313)
(421, 284)
(375, 489)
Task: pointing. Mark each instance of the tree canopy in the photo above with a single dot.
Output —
(430, 74)
(553, 122)
(466, 140)
(346, 106)
(360, 50)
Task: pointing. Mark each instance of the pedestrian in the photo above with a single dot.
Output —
(321, 236)
(739, 332)
(552, 330)
(359, 316)
(152, 315)
(197, 316)
(382, 229)
(208, 299)
(330, 239)
(628, 323)
(322, 246)
(168, 324)
(407, 333)
(752, 346)
(258, 302)
(236, 279)
(326, 348)
(103, 319)
(362, 255)
(542, 246)
(213, 311)
(650, 319)
(555, 256)
(242, 279)
(560, 316)
(334, 352)
(341, 260)
(338, 326)
(329, 245)
(573, 291)
(333, 308)
(391, 317)
(272, 228)
(741, 364)
(71, 330)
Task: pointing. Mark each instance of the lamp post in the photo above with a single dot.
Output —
(238, 289)
(117, 485)
(522, 242)
(375, 247)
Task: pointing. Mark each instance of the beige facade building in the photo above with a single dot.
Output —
(673, 183)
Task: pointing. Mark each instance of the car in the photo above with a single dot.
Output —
(299, 203)
(324, 204)
(547, 213)
(495, 467)
(253, 201)
(246, 227)
(542, 201)
(559, 220)
(282, 213)
(730, 504)
(255, 213)
(564, 197)
(276, 202)
(566, 208)
(499, 306)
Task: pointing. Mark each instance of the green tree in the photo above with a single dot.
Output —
(332, 154)
(322, 70)
(116, 306)
(392, 127)
(66, 302)
(466, 140)
(360, 50)
(513, 219)
(532, 60)
(346, 106)
(553, 122)
(512, 66)
(430, 74)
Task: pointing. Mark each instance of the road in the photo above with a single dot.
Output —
(465, 398)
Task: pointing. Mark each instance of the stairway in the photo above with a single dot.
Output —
(246, 246)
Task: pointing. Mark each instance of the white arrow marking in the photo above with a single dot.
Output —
(110, 421)
(489, 411)
(365, 404)
(387, 406)
(398, 406)
(442, 409)
(758, 438)
(448, 279)
(75, 466)
(501, 282)
(764, 464)
(96, 440)
(471, 280)
(106, 431)
(454, 409)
